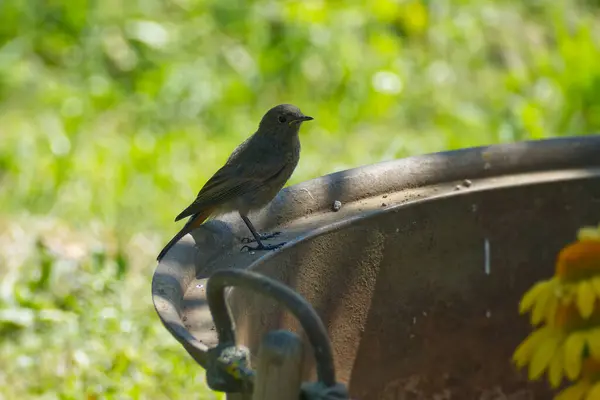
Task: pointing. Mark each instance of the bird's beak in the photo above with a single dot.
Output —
(301, 119)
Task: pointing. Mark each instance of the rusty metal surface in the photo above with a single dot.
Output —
(399, 274)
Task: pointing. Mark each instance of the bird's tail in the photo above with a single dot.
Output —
(171, 243)
(194, 222)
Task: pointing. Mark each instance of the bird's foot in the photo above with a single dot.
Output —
(264, 236)
(260, 246)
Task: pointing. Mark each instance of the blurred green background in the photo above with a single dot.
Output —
(113, 114)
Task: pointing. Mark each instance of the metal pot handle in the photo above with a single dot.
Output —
(232, 360)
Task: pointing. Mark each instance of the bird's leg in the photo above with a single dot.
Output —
(258, 238)
(262, 236)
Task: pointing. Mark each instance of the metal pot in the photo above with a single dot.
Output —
(417, 276)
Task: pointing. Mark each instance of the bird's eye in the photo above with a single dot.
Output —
(281, 119)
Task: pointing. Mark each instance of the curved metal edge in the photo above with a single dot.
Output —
(177, 270)
(169, 282)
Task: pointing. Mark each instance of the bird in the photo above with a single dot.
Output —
(252, 176)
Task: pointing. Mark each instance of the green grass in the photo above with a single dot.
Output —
(113, 114)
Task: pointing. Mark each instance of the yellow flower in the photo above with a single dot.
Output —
(568, 307)
(579, 260)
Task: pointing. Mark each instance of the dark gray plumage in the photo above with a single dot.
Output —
(252, 176)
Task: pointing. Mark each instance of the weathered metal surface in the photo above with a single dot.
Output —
(416, 303)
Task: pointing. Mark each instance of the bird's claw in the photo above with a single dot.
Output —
(264, 236)
(264, 247)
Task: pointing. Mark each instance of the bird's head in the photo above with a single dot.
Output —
(283, 118)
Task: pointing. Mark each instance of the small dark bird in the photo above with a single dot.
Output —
(254, 173)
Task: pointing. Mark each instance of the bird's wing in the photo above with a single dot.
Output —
(228, 183)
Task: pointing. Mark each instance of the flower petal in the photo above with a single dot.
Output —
(527, 348)
(575, 392)
(573, 355)
(586, 298)
(596, 285)
(539, 308)
(594, 393)
(588, 233)
(551, 309)
(555, 371)
(543, 355)
(530, 297)
(593, 342)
